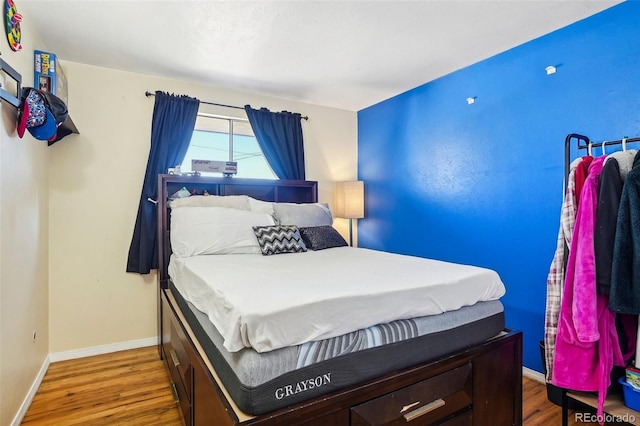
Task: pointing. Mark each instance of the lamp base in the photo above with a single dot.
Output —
(350, 232)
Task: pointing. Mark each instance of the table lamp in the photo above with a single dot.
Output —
(350, 203)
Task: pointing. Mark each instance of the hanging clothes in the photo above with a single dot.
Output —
(587, 344)
(616, 167)
(624, 296)
(581, 175)
(555, 278)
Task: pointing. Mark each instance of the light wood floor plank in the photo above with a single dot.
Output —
(132, 388)
(122, 388)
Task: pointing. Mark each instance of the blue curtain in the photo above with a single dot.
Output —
(279, 135)
(174, 118)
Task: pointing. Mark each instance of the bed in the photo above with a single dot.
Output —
(358, 352)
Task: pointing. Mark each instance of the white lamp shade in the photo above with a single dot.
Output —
(349, 200)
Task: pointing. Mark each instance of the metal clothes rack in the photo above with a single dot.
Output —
(584, 143)
(147, 94)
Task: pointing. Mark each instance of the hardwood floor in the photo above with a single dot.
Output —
(537, 410)
(123, 388)
(132, 388)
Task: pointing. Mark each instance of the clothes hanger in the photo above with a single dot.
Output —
(604, 151)
(589, 148)
(624, 143)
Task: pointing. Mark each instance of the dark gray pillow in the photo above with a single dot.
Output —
(278, 239)
(321, 237)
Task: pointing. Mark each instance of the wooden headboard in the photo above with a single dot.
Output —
(283, 191)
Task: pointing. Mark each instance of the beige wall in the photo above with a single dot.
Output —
(95, 182)
(24, 255)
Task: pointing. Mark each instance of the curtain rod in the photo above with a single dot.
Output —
(147, 94)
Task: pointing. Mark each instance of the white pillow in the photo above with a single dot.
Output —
(303, 214)
(240, 202)
(260, 206)
(215, 230)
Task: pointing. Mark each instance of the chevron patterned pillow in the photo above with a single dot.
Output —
(278, 239)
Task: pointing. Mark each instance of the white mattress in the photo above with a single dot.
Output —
(270, 302)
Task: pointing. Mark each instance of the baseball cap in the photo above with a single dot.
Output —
(40, 113)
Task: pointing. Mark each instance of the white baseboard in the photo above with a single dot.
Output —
(74, 354)
(32, 392)
(103, 349)
(533, 374)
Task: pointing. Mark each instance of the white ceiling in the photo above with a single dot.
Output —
(343, 54)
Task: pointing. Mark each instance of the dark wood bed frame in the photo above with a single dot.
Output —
(478, 385)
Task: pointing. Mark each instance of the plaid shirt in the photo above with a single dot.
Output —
(555, 279)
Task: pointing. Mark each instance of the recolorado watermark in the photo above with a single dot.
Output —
(606, 418)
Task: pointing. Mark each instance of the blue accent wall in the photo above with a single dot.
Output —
(482, 184)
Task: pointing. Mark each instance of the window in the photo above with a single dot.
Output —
(227, 139)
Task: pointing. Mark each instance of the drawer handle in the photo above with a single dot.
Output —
(174, 358)
(174, 391)
(424, 410)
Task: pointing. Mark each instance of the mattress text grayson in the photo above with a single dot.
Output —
(303, 386)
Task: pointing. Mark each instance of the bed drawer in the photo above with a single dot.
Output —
(179, 364)
(181, 394)
(424, 403)
(179, 359)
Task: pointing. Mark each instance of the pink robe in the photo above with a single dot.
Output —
(587, 344)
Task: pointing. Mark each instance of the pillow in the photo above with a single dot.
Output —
(309, 214)
(215, 230)
(278, 239)
(240, 202)
(260, 206)
(321, 237)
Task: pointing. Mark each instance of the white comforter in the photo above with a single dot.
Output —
(269, 302)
